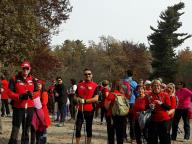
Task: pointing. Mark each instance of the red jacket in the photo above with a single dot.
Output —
(86, 90)
(44, 101)
(17, 86)
(159, 113)
(4, 91)
(139, 106)
(173, 104)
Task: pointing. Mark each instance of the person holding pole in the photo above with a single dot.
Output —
(21, 88)
(86, 95)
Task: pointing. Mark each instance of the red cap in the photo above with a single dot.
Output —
(39, 81)
(26, 64)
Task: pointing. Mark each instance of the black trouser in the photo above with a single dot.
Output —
(72, 106)
(110, 130)
(119, 124)
(88, 116)
(61, 111)
(24, 117)
(51, 104)
(38, 137)
(159, 130)
(5, 106)
(103, 110)
(131, 123)
(137, 132)
(178, 114)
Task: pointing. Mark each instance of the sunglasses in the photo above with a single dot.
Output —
(87, 74)
(25, 68)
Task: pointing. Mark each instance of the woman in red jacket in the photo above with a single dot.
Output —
(138, 107)
(158, 127)
(41, 120)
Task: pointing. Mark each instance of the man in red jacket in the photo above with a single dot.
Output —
(4, 97)
(86, 95)
(21, 88)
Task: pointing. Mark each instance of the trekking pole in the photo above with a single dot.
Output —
(25, 120)
(84, 125)
(74, 128)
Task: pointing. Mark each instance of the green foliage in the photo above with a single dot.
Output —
(108, 59)
(26, 27)
(163, 42)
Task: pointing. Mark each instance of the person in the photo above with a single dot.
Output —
(1, 126)
(71, 95)
(4, 97)
(86, 95)
(61, 96)
(170, 89)
(147, 86)
(115, 123)
(158, 127)
(21, 88)
(51, 100)
(133, 85)
(138, 107)
(184, 98)
(104, 93)
(41, 120)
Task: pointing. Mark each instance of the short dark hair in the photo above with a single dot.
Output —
(87, 69)
(129, 73)
(59, 78)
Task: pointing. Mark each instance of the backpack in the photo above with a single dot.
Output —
(120, 106)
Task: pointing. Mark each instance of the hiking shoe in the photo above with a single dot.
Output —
(185, 141)
(59, 125)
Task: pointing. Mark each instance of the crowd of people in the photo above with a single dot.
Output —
(149, 111)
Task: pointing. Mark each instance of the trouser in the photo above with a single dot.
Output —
(72, 106)
(119, 124)
(159, 130)
(88, 117)
(1, 125)
(103, 110)
(131, 124)
(24, 117)
(62, 110)
(5, 107)
(110, 130)
(38, 137)
(51, 104)
(137, 132)
(178, 114)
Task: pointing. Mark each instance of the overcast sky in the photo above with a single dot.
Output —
(123, 19)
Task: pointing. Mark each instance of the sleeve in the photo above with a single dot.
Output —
(35, 85)
(167, 102)
(11, 90)
(44, 99)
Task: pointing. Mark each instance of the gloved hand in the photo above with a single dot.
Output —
(24, 96)
(30, 95)
(81, 101)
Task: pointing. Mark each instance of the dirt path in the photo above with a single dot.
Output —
(63, 135)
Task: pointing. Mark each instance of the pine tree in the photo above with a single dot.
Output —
(163, 42)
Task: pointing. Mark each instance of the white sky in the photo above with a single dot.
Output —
(123, 19)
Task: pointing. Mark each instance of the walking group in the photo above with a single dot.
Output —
(145, 111)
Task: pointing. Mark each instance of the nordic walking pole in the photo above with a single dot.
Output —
(25, 119)
(74, 128)
(84, 125)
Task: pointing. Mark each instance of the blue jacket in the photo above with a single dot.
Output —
(133, 85)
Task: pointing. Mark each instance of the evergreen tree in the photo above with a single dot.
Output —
(163, 42)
